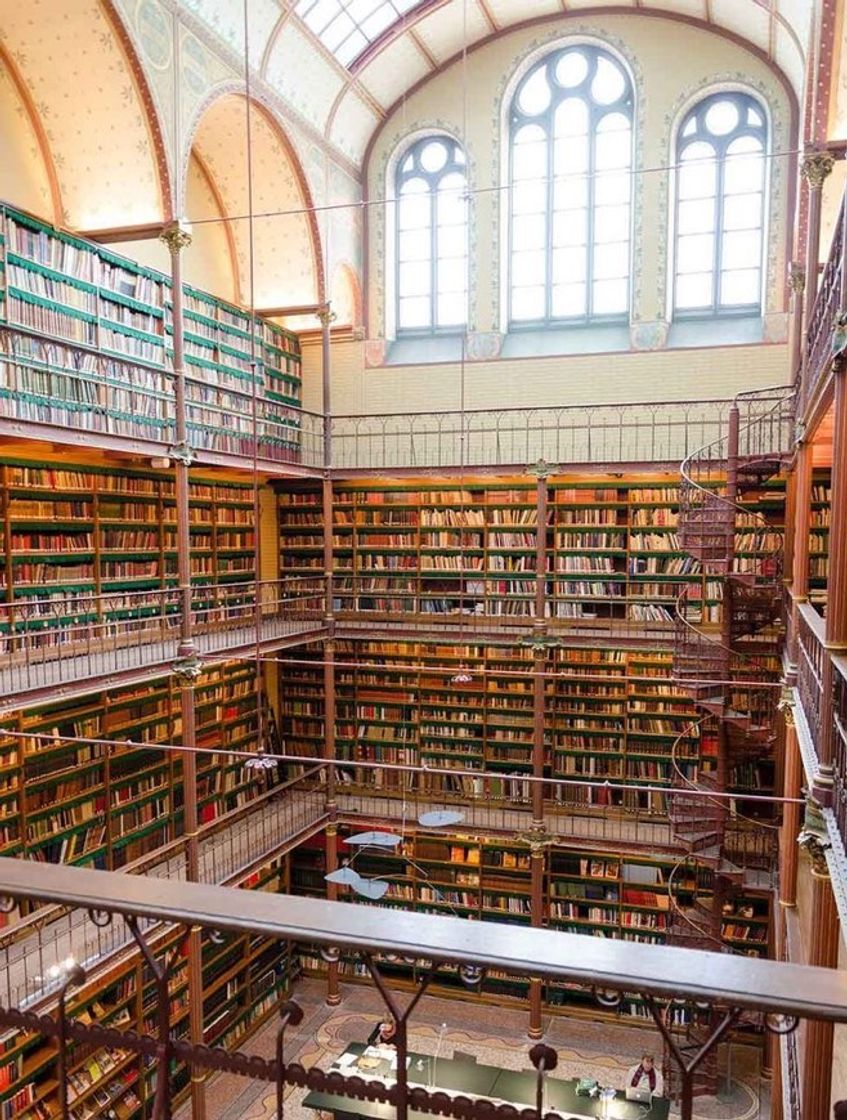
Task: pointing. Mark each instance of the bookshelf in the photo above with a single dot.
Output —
(610, 712)
(106, 806)
(243, 980)
(820, 511)
(87, 341)
(622, 895)
(72, 531)
(428, 548)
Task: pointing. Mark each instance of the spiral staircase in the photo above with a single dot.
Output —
(721, 657)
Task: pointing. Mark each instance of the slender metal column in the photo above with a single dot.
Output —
(536, 862)
(177, 237)
(326, 316)
(815, 167)
(797, 284)
(823, 951)
(333, 995)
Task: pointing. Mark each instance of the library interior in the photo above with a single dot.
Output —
(423, 511)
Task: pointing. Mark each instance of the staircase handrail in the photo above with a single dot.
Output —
(686, 467)
(692, 785)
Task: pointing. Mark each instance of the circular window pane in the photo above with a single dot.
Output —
(433, 156)
(721, 118)
(571, 69)
(535, 93)
(608, 84)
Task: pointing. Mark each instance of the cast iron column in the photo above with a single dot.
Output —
(815, 167)
(333, 995)
(177, 237)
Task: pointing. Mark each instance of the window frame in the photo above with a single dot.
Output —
(517, 119)
(698, 110)
(432, 178)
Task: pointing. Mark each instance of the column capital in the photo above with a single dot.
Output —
(177, 236)
(817, 854)
(187, 671)
(797, 278)
(815, 167)
(326, 316)
(786, 704)
(542, 469)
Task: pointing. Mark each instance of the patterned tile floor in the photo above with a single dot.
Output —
(495, 1035)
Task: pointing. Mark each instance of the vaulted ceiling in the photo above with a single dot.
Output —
(317, 55)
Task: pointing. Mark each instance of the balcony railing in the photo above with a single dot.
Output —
(773, 994)
(822, 320)
(71, 387)
(478, 602)
(602, 433)
(228, 847)
(839, 803)
(71, 637)
(811, 654)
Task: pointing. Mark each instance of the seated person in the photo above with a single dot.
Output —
(645, 1076)
(383, 1034)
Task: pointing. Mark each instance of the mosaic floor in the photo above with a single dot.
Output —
(495, 1036)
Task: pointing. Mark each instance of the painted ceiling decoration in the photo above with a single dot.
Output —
(357, 58)
(286, 259)
(94, 119)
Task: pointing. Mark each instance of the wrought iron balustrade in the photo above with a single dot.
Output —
(514, 437)
(70, 636)
(229, 846)
(811, 654)
(839, 742)
(824, 318)
(731, 988)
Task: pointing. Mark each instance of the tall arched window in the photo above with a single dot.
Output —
(720, 206)
(432, 237)
(570, 174)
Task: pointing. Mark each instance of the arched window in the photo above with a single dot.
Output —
(720, 206)
(432, 237)
(570, 175)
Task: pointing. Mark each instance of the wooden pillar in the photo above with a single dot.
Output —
(536, 859)
(776, 1085)
(790, 830)
(823, 952)
(177, 237)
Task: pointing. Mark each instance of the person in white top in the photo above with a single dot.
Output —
(645, 1076)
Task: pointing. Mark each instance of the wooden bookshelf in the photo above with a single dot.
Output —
(92, 332)
(611, 712)
(244, 978)
(821, 508)
(621, 895)
(70, 531)
(105, 806)
(433, 548)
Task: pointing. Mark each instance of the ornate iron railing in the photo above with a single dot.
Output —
(70, 637)
(509, 437)
(811, 654)
(774, 994)
(824, 316)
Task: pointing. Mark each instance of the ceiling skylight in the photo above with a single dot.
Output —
(346, 27)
